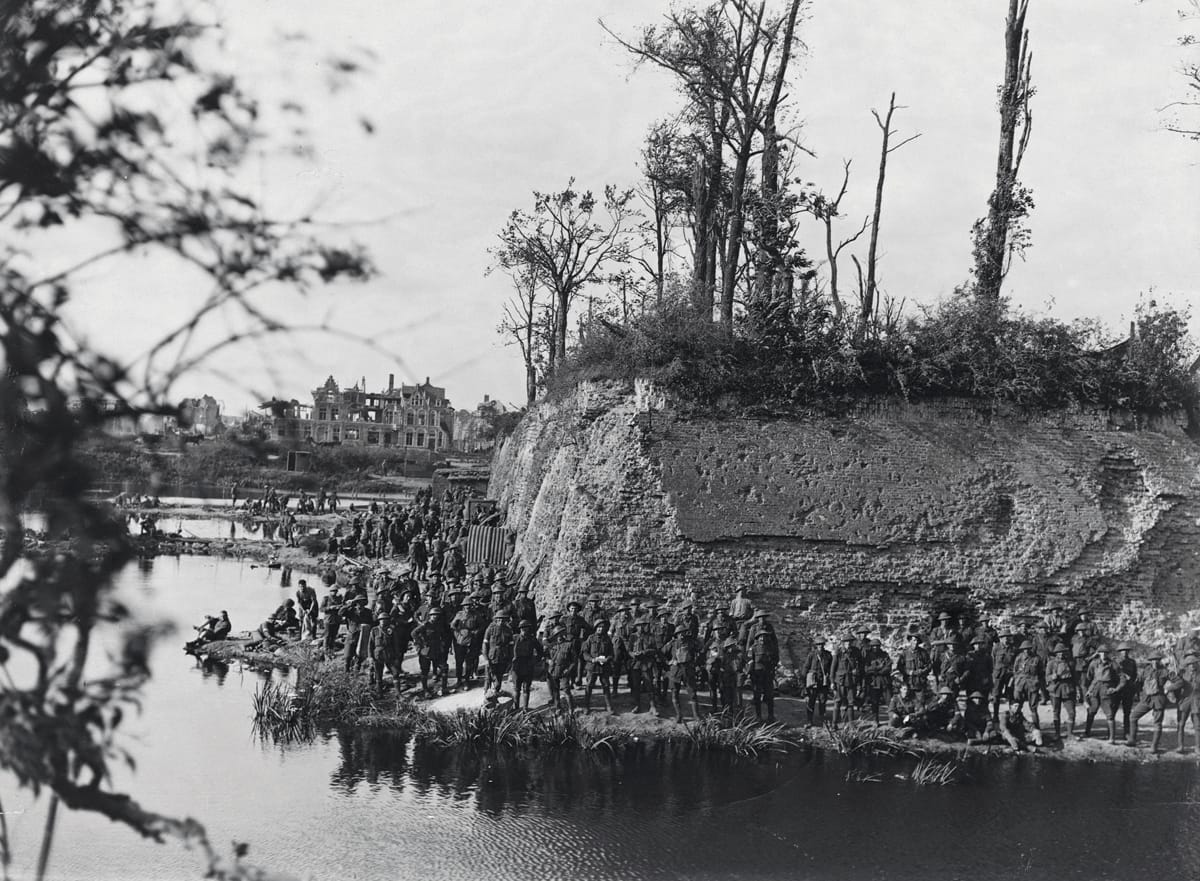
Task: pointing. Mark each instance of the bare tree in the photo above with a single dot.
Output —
(869, 292)
(826, 211)
(1001, 235)
(569, 240)
(520, 324)
(664, 193)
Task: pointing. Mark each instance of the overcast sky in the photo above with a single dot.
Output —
(476, 104)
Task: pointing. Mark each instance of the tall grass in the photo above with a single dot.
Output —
(936, 772)
(740, 734)
(864, 738)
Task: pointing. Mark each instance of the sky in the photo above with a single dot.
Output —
(474, 105)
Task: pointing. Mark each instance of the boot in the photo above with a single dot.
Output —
(1132, 728)
(1057, 730)
(607, 702)
(1154, 739)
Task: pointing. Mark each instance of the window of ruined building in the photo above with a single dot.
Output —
(420, 438)
(351, 434)
(421, 419)
(337, 434)
(408, 418)
(408, 439)
(322, 414)
(372, 437)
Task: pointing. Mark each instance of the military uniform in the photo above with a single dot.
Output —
(684, 653)
(1152, 684)
(644, 660)
(560, 664)
(817, 673)
(878, 673)
(526, 652)
(914, 665)
(1103, 690)
(430, 639)
(498, 649)
(764, 658)
(598, 658)
(1029, 681)
(844, 680)
(1060, 682)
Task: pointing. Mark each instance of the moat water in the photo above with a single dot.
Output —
(380, 806)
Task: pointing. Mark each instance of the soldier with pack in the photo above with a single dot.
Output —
(578, 627)
(381, 648)
(598, 660)
(622, 635)
(1129, 684)
(1186, 688)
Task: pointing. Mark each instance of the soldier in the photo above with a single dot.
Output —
(979, 666)
(817, 673)
(463, 626)
(498, 649)
(1187, 690)
(975, 720)
(527, 651)
(430, 639)
(333, 620)
(381, 649)
(1129, 683)
(664, 631)
(1152, 683)
(622, 636)
(878, 677)
(357, 616)
(764, 658)
(1028, 680)
(901, 707)
(914, 665)
(954, 667)
(938, 717)
(560, 665)
(643, 655)
(732, 660)
(860, 647)
(1103, 690)
(740, 608)
(686, 621)
(594, 612)
(682, 653)
(306, 599)
(578, 627)
(1060, 682)
(844, 680)
(598, 658)
(1004, 654)
(945, 633)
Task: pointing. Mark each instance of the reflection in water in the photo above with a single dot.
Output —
(211, 668)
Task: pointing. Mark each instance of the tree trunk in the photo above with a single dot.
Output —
(737, 224)
(868, 295)
(990, 255)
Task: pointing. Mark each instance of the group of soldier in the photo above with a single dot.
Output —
(961, 678)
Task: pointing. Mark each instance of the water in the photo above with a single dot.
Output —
(378, 806)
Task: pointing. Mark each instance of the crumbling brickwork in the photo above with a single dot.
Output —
(879, 517)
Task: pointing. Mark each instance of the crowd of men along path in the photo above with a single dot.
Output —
(956, 678)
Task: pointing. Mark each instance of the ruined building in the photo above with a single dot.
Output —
(415, 416)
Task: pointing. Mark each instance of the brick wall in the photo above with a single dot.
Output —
(879, 517)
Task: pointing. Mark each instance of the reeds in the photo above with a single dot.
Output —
(935, 772)
(864, 738)
(740, 734)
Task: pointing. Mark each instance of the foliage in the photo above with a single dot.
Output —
(86, 156)
(864, 738)
(738, 733)
(961, 348)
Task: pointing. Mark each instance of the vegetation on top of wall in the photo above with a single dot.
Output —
(960, 348)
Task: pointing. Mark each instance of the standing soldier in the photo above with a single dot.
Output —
(1129, 684)
(382, 649)
(860, 648)
(817, 673)
(598, 659)
(732, 661)
(1060, 681)
(524, 608)
(527, 651)
(683, 651)
(1103, 680)
(740, 608)
(333, 620)
(462, 629)
(306, 599)
(945, 633)
(498, 649)
(844, 680)
(560, 665)
(1152, 684)
(622, 635)
(914, 665)
(979, 666)
(878, 677)
(664, 631)
(643, 656)
(356, 617)
(953, 667)
(764, 658)
(714, 662)
(430, 639)
(1187, 689)
(686, 621)
(594, 612)
(578, 627)
(1029, 680)
(1004, 655)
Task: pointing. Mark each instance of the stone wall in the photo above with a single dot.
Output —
(879, 517)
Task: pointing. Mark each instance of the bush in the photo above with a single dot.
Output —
(957, 349)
